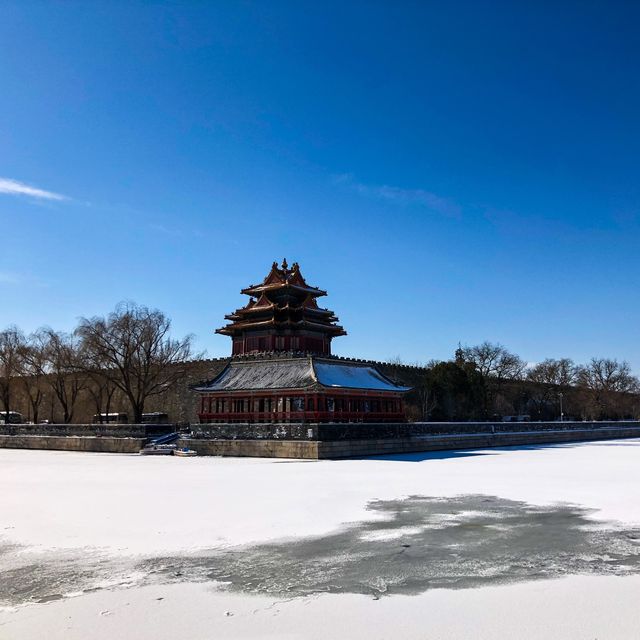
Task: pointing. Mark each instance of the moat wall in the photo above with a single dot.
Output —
(326, 441)
(319, 441)
(73, 443)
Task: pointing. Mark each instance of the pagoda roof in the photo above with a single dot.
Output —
(252, 309)
(256, 290)
(270, 322)
(308, 372)
(284, 278)
(283, 300)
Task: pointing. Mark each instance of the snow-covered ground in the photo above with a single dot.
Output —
(242, 548)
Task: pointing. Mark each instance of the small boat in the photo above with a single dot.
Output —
(185, 453)
(158, 450)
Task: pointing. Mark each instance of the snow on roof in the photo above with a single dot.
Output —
(263, 374)
(298, 373)
(334, 374)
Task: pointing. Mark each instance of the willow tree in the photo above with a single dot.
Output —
(63, 369)
(12, 343)
(134, 351)
(34, 369)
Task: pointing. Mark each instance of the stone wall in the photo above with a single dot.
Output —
(73, 443)
(85, 430)
(374, 447)
(332, 432)
(325, 441)
(306, 450)
(180, 402)
(317, 441)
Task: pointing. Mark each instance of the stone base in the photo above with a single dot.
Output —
(318, 450)
(302, 449)
(73, 443)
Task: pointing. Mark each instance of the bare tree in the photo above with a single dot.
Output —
(135, 352)
(394, 365)
(63, 369)
(604, 374)
(428, 400)
(102, 390)
(426, 393)
(496, 365)
(12, 342)
(607, 381)
(552, 380)
(495, 361)
(34, 365)
(557, 373)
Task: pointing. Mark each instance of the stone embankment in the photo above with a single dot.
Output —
(314, 441)
(104, 438)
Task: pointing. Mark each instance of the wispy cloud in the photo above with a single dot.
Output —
(9, 278)
(15, 279)
(398, 195)
(175, 232)
(16, 188)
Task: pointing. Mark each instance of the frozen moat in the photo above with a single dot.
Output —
(85, 527)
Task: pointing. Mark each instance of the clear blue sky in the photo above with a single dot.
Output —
(448, 171)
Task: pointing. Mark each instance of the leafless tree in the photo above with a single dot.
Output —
(497, 365)
(135, 351)
(552, 381)
(557, 373)
(64, 369)
(425, 392)
(101, 389)
(604, 374)
(394, 365)
(492, 360)
(607, 381)
(33, 371)
(12, 342)
(428, 401)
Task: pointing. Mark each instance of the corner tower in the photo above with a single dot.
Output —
(282, 315)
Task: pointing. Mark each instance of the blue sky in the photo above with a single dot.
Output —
(447, 171)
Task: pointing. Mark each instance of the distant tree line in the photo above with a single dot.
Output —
(128, 355)
(487, 382)
(129, 359)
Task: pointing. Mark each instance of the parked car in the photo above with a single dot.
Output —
(111, 418)
(11, 417)
(156, 417)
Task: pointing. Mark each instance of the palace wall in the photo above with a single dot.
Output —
(179, 402)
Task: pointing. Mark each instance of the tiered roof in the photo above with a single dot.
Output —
(283, 301)
(308, 372)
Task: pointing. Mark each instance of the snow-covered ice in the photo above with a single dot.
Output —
(112, 520)
(164, 504)
(574, 608)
